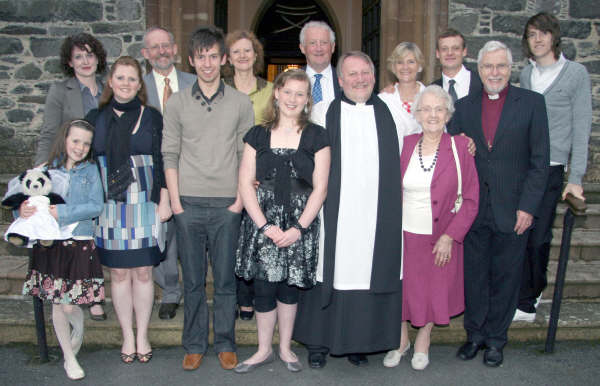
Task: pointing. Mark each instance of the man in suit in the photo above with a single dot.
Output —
(160, 51)
(456, 79)
(510, 128)
(317, 43)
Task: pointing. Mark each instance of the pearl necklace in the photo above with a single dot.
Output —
(435, 157)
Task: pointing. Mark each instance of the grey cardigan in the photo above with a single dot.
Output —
(569, 106)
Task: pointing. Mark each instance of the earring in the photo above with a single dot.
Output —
(276, 103)
(306, 108)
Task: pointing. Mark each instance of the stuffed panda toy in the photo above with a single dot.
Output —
(36, 186)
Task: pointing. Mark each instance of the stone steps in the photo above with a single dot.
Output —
(582, 279)
(578, 321)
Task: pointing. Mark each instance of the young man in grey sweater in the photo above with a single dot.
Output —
(567, 91)
(202, 147)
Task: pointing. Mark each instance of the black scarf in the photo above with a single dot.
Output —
(118, 138)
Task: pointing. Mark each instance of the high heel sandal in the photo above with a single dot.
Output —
(144, 358)
(128, 358)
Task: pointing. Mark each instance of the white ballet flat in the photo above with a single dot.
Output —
(419, 361)
(74, 371)
(393, 357)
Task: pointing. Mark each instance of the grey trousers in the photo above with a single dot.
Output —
(166, 274)
(216, 229)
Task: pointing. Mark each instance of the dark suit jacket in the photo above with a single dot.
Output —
(63, 103)
(474, 85)
(184, 80)
(337, 91)
(512, 176)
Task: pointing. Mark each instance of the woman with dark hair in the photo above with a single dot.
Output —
(82, 60)
(245, 56)
(279, 235)
(127, 149)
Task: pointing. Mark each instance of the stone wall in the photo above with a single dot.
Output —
(504, 20)
(31, 32)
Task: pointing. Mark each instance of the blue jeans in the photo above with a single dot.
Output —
(202, 227)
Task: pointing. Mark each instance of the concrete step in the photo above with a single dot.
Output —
(592, 220)
(585, 244)
(582, 279)
(578, 321)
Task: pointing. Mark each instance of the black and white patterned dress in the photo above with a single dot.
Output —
(285, 177)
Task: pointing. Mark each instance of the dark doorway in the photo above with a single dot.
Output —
(279, 28)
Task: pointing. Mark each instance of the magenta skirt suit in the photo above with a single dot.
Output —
(431, 293)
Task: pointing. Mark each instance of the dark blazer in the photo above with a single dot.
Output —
(512, 176)
(337, 91)
(475, 85)
(444, 187)
(184, 80)
(63, 103)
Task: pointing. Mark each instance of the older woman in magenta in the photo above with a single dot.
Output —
(437, 169)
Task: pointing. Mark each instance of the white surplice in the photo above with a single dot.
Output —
(357, 217)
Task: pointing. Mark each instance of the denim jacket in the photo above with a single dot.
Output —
(84, 200)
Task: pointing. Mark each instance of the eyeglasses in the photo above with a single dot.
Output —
(498, 67)
(157, 47)
(429, 110)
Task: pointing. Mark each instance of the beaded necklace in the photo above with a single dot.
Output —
(435, 157)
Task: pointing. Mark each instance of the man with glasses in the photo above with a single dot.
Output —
(510, 129)
(160, 51)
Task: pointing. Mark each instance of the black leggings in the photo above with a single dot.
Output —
(267, 293)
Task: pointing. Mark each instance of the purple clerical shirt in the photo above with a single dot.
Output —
(491, 109)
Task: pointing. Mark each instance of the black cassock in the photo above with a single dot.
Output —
(359, 321)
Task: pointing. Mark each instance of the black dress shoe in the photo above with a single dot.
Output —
(317, 360)
(358, 359)
(167, 310)
(493, 357)
(246, 315)
(468, 351)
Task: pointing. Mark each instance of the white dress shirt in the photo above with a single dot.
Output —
(463, 81)
(160, 84)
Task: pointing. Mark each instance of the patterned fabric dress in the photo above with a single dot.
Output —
(67, 273)
(257, 257)
(125, 230)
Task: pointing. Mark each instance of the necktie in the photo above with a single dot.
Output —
(317, 92)
(452, 91)
(167, 91)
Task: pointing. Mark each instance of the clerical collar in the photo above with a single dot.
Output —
(495, 97)
(368, 102)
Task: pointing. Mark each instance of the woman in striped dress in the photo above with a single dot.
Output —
(127, 148)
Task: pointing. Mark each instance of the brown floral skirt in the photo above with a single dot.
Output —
(68, 272)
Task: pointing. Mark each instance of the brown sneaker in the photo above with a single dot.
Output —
(228, 360)
(192, 361)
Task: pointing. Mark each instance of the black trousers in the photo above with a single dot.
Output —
(493, 266)
(534, 278)
(245, 293)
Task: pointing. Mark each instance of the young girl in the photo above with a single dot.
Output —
(69, 273)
